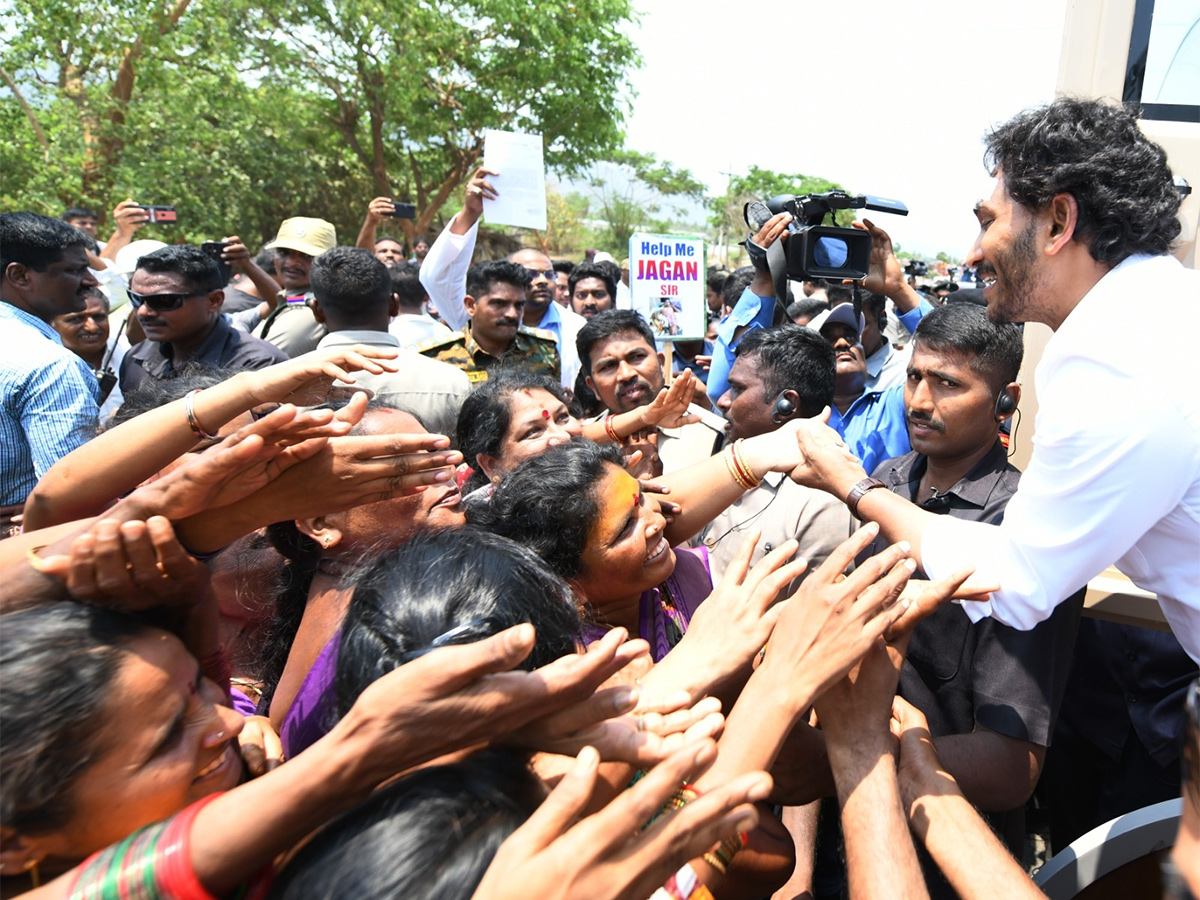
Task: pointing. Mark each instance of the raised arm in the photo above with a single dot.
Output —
(973, 860)
(236, 254)
(444, 271)
(376, 210)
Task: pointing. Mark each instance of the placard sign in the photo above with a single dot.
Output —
(668, 284)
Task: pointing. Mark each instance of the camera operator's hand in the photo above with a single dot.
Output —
(886, 275)
(380, 208)
(776, 228)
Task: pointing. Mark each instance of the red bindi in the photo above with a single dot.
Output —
(545, 413)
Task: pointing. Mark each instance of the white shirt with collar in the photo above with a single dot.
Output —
(1115, 472)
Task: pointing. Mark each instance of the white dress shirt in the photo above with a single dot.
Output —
(1115, 472)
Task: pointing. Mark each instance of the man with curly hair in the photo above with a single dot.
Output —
(1082, 218)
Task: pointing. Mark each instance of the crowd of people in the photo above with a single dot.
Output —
(354, 571)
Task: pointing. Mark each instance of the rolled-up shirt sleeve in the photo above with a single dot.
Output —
(751, 310)
(1111, 467)
(444, 273)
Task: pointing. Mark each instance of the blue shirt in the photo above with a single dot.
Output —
(750, 310)
(874, 427)
(47, 402)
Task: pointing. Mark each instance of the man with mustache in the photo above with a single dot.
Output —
(493, 335)
(991, 693)
(443, 273)
(625, 370)
(290, 325)
(47, 393)
(871, 422)
(1084, 215)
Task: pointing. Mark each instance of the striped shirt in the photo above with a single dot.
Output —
(47, 402)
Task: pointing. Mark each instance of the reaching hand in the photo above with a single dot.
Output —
(238, 466)
(670, 408)
(831, 621)
(458, 697)
(825, 462)
(136, 565)
(605, 721)
(308, 379)
(924, 598)
(607, 856)
(737, 619)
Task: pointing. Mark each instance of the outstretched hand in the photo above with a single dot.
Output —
(556, 855)
(458, 697)
(307, 380)
(240, 465)
(831, 622)
(825, 462)
(670, 408)
(132, 565)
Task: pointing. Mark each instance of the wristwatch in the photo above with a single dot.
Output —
(857, 492)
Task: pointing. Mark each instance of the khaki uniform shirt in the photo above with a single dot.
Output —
(783, 510)
(532, 349)
(432, 390)
(293, 329)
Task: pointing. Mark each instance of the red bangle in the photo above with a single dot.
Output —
(612, 432)
(178, 877)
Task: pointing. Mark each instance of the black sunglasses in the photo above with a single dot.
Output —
(162, 302)
(549, 274)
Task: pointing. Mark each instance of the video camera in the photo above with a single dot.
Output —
(822, 251)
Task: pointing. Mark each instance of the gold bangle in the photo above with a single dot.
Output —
(734, 472)
(712, 860)
(748, 479)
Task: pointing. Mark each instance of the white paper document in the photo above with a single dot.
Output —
(521, 184)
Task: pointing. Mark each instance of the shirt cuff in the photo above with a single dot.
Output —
(910, 319)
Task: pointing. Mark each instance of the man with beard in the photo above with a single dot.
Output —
(592, 289)
(443, 273)
(493, 335)
(1083, 216)
(624, 371)
(47, 393)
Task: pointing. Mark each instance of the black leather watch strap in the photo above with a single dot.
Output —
(857, 492)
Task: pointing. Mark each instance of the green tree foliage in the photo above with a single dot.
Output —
(638, 192)
(410, 87)
(242, 113)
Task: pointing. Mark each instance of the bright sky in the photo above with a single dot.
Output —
(885, 98)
